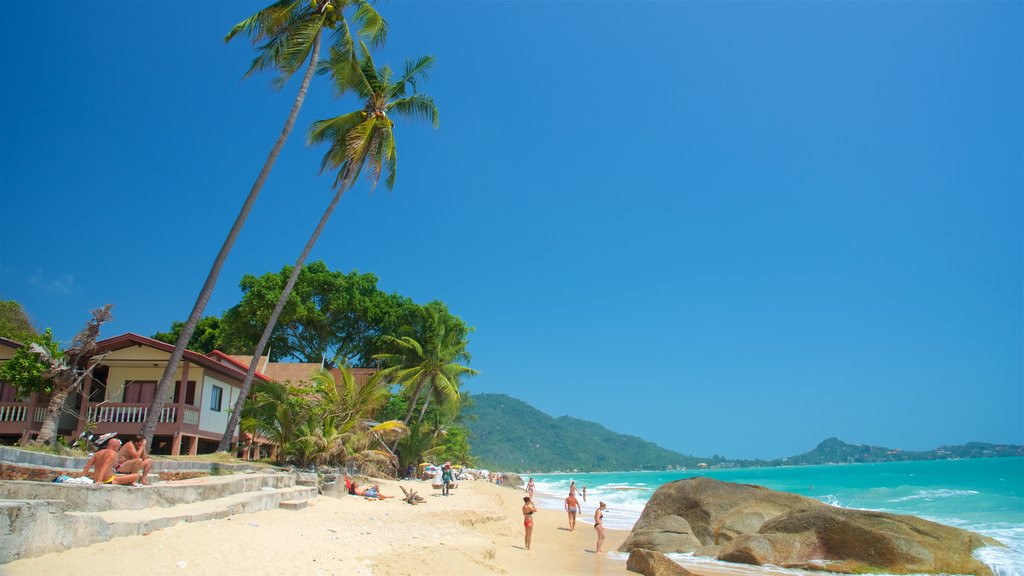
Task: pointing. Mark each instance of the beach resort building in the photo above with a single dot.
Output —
(117, 396)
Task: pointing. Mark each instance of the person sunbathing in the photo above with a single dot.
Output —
(102, 463)
(372, 493)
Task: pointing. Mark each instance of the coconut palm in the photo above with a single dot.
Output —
(429, 356)
(361, 138)
(287, 33)
(329, 423)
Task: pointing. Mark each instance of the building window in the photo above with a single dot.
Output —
(7, 393)
(190, 392)
(215, 397)
(139, 392)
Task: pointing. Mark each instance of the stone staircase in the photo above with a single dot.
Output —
(37, 517)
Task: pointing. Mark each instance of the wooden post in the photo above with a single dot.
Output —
(194, 448)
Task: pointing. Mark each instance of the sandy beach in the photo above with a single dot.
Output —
(477, 530)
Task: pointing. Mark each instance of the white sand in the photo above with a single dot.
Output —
(477, 530)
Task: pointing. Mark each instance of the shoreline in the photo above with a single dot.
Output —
(477, 530)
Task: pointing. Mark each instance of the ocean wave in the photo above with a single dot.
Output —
(935, 494)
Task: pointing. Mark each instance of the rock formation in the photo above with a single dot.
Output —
(754, 525)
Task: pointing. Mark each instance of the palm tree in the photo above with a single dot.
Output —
(329, 423)
(361, 138)
(290, 32)
(428, 356)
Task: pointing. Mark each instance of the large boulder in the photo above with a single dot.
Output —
(715, 511)
(754, 525)
(651, 563)
(667, 534)
(842, 540)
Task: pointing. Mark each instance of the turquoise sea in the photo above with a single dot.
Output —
(986, 496)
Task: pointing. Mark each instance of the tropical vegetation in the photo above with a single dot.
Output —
(361, 138)
(287, 34)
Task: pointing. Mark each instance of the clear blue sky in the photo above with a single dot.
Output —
(727, 227)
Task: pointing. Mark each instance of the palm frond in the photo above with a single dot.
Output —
(414, 69)
(372, 27)
(418, 106)
(265, 22)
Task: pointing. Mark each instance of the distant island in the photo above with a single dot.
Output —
(509, 434)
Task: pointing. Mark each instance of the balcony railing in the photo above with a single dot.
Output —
(13, 411)
(40, 413)
(130, 413)
(191, 416)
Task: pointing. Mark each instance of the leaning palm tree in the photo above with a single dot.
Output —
(428, 356)
(361, 138)
(287, 33)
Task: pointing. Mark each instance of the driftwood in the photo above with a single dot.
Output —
(411, 497)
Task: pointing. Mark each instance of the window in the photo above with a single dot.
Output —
(190, 392)
(7, 392)
(137, 392)
(215, 397)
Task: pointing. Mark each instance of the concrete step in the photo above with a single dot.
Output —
(37, 527)
(85, 498)
(293, 504)
(117, 523)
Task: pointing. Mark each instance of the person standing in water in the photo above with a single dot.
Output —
(584, 492)
(528, 510)
(599, 526)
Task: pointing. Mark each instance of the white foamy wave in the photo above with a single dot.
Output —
(832, 500)
(625, 501)
(935, 494)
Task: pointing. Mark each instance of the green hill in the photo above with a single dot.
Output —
(834, 451)
(509, 434)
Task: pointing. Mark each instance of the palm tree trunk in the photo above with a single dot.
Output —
(423, 411)
(225, 440)
(211, 279)
(412, 403)
(48, 429)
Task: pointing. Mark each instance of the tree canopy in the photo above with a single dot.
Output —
(14, 323)
(205, 339)
(26, 371)
(329, 314)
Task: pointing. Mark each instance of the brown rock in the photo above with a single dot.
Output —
(666, 534)
(755, 525)
(651, 563)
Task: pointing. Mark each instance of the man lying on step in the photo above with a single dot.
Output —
(102, 463)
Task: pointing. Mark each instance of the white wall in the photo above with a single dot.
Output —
(210, 421)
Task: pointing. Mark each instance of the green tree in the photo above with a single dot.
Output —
(361, 138)
(428, 355)
(329, 423)
(57, 373)
(14, 323)
(205, 339)
(287, 34)
(26, 371)
(329, 314)
(455, 446)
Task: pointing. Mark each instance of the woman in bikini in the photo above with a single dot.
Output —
(528, 511)
(599, 526)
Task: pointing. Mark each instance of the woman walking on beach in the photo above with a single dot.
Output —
(599, 526)
(529, 488)
(528, 510)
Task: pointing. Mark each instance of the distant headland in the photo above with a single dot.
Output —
(509, 434)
